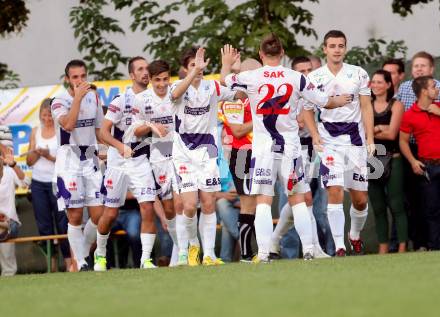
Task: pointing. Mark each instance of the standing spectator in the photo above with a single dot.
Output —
(422, 120)
(396, 68)
(387, 191)
(41, 157)
(422, 64)
(11, 176)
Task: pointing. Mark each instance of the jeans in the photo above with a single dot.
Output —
(320, 213)
(129, 220)
(228, 216)
(430, 190)
(47, 215)
(166, 243)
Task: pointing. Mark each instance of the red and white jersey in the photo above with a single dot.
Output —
(77, 151)
(120, 113)
(343, 125)
(273, 93)
(151, 108)
(196, 119)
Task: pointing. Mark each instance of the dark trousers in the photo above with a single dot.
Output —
(430, 189)
(47, 215)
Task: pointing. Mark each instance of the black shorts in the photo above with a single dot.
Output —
(239, 165)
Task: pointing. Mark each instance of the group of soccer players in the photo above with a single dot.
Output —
(163, 150)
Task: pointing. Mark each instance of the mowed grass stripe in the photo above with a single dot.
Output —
(392, 285)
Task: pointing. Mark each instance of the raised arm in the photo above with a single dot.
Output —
(230, 56)
(68, 121)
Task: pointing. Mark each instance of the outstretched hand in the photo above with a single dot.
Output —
(199, 61)
(230, 55)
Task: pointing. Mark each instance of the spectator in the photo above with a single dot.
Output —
(41, 157)
(423, 121)
(422, 64)
(387, 191)
(11, 176)
(396, 68)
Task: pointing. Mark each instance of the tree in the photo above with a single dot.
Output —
(13, 18)
(404, 7)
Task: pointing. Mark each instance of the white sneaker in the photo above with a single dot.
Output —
(148, 264)
(319, 253)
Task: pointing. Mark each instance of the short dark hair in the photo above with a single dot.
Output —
(334, 34)
(74, 63)
(395, 61)
(387, 77)
(131, 62)
(423, 54)
(187, 55)
(158, 67)
(271, 45)
(300, 59)
(420, 83)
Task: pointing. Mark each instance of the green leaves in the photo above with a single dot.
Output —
(13, 16)
(8, 79)
(404, 7)
(377, 51)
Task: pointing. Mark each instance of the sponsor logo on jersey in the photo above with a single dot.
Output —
(113, 108)
(330, 161)
(277, 74)
(148, 191)
(183, 169)
(263, 172)
(213, 181)
(85, 123)
(128, 121)
(359, 177)
(310, 86)
(266, 181)
(56, 106)
(112, 200)
(163, 120)
(109, 184)
(186, 185)
(162, 179)
(73, 186)
(76, 201)
(196, 111)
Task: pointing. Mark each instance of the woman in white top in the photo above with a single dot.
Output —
(42, 152)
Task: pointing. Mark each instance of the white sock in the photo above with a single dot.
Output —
(89, 236)
(182, 234)
(263, 229)
(174, 255)
(209, 232)
(147, 240)
(76, 241)
(285, 222)
(315, 238)
(194, 240)
(336, 219)
(171, 223)
(303, 226)
(202, 219)
(358, 219)
(101, 243)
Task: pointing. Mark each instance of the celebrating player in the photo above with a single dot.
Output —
(78, 115)
(127, 169)
(276, 151)
(195, 153)
(344, 132)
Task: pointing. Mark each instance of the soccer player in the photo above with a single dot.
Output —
(347, 134)
(78, 116)
(127, 169)
(153, 108)
(238, 127)
(276, 152)
(195, 153)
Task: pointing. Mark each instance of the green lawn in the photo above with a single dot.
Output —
(393, 285)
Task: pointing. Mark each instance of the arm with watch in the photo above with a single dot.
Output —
(8, 159)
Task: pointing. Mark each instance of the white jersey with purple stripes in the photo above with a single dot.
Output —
(151, 108)
(196, 119)
(77, 151)
(120, 113)
(343, 125)
(273, 93)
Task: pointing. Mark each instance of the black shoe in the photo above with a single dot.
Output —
(274, 256)
(357, 247)
(308, 256)
(246, 259)
(84, 268)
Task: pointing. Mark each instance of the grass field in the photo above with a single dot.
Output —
(393, 285)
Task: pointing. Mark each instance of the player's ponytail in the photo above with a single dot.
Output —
(271, 45)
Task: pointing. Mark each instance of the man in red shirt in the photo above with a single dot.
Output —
(423, 121)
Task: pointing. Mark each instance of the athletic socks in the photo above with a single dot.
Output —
(303, 226)
(101, 243)
(147, 240)
(76, 241)
(246, 230)
(263, 229)
(182, 234)
(171, 224)
(201, 229)
(89, 236)
(208, 237)
(315, 238)
(285, 222)
(336, 219)
(358, 218)
(191, 229)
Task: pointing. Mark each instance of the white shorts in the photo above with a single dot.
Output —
(344, 166)
(198, 175)
(138, 180)
(166, 177)
(75, 191)
(265, 169)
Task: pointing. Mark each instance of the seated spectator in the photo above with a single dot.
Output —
(387, 191)
(41, 157)
(422, 120)
(11, 176)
